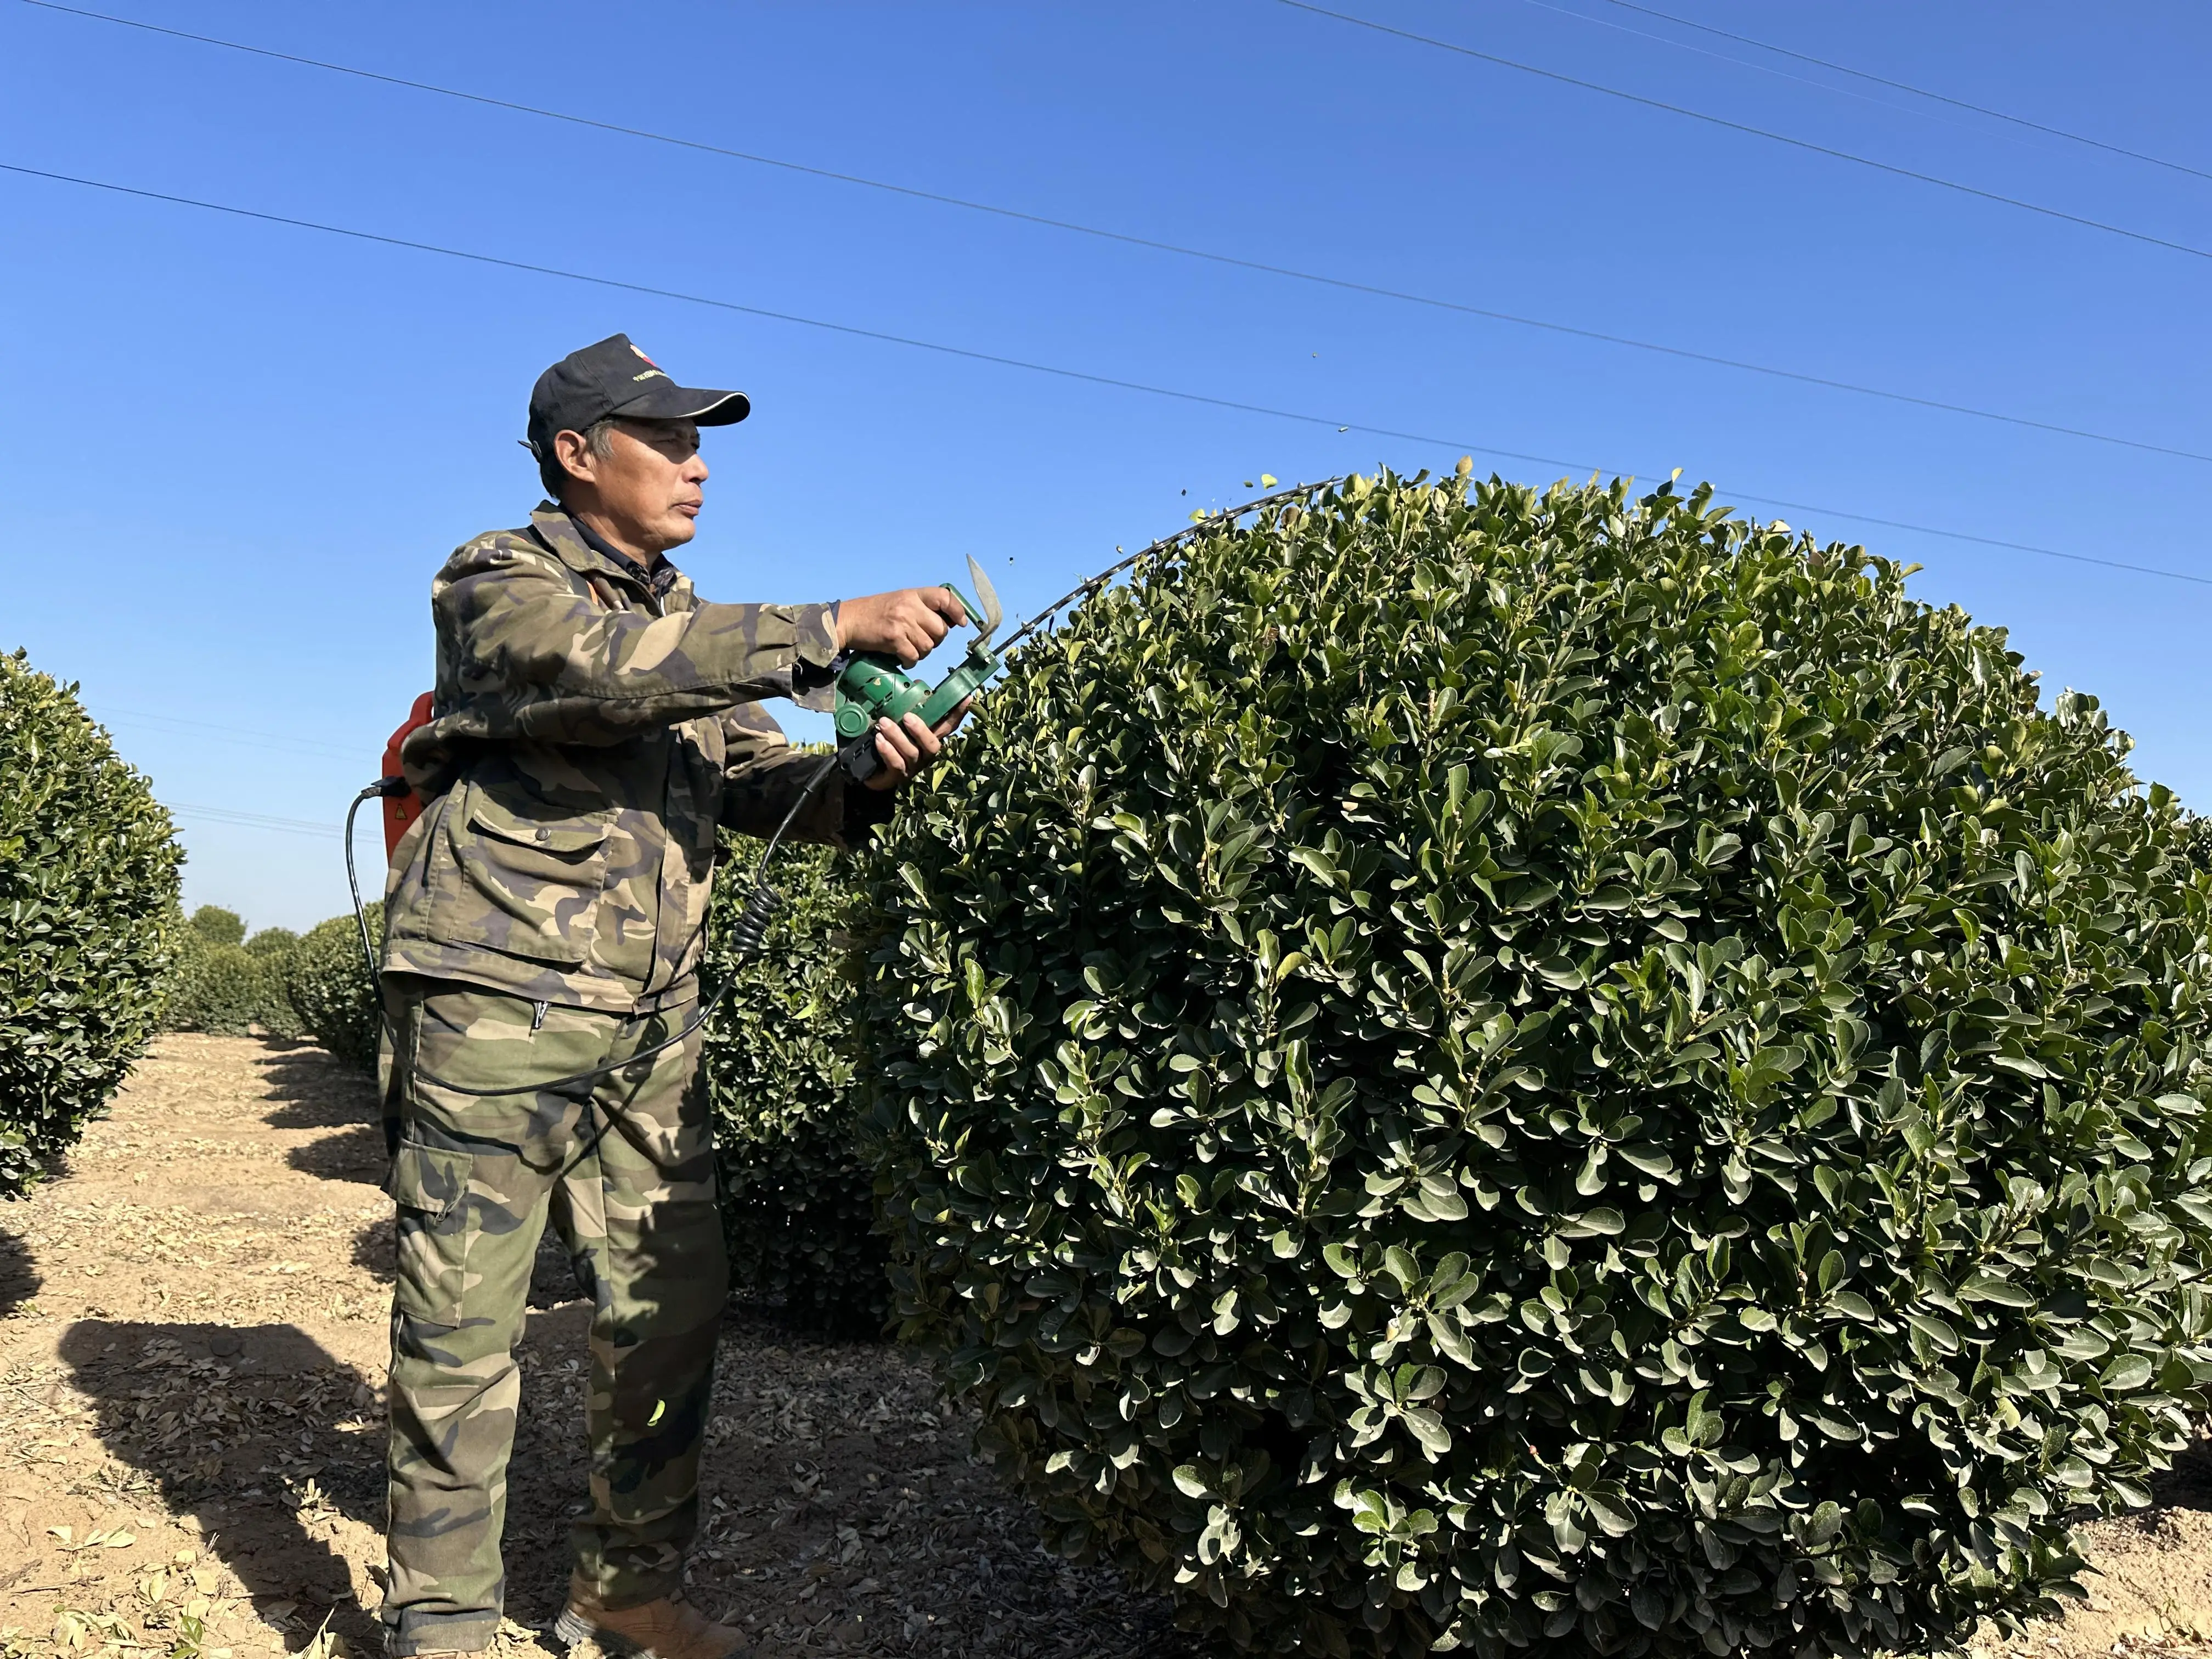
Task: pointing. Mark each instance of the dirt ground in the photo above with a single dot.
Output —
(192, 1336)
(191, 1346)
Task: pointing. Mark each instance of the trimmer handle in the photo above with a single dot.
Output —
(975, 612)
(873, 687)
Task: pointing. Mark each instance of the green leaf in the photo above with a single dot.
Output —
(1987, 1287)
(1937, 1331)
(2129, 1372)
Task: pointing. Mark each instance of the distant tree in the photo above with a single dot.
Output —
(217, 925)
(273, 942)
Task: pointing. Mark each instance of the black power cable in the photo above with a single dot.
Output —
(377, 791)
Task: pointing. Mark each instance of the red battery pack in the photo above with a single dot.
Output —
(402, 810)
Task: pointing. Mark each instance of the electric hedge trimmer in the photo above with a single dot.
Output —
(873, 687)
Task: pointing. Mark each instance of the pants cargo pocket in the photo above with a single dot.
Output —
(435, 1226)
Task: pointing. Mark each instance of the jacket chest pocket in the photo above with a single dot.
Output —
(523, 885)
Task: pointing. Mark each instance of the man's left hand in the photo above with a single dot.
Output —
(908, 748)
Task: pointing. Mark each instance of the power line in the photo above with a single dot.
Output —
(1740, 62)
(1057, 371)
(850, 329)
(1210, 256)
(229, 733)
(1966, 536)
(254, 820)
(1917, 92)
(2108, 228)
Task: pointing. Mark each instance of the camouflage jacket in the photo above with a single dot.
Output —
(593, 728)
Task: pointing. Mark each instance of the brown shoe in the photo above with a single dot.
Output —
(671, 1628)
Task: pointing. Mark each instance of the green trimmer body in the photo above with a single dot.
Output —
(873, 687)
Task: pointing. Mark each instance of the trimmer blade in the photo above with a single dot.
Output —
(987, 595)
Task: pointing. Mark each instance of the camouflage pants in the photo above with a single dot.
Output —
(629, 1180)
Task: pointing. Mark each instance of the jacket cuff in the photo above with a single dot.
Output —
(814, 665)
(864, 808)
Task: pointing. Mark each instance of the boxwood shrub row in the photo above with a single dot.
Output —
(287, 985)
(227, 985)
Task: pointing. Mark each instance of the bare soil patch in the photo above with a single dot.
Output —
(193, 1339)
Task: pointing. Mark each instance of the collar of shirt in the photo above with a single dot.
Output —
(656, 581)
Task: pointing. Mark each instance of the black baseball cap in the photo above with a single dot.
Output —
(615, 378)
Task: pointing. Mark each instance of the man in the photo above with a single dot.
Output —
(595, 725)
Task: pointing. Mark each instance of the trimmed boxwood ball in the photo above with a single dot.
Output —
(780, 1077)
(89, 919)
(217, 988)
(329, 992)
(224, 984)
(1466, 1068)
(216, 926)
(273, 949)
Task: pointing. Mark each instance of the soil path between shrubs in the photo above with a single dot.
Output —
(193, 1340)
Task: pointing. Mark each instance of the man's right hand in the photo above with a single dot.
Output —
(906, 624)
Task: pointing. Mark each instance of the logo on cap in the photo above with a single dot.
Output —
(649, 361)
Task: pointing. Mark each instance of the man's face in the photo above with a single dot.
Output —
(646, 489)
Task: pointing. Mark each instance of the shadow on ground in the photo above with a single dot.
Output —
(311, 1091)
(356, 1155)
(19, 1278)
(2188, 1484)
(308, 1090)
(375, 1251)
(259, 1433)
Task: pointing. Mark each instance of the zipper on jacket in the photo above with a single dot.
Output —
(537, 1016)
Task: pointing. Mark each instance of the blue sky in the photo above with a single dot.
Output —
(236, 451)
